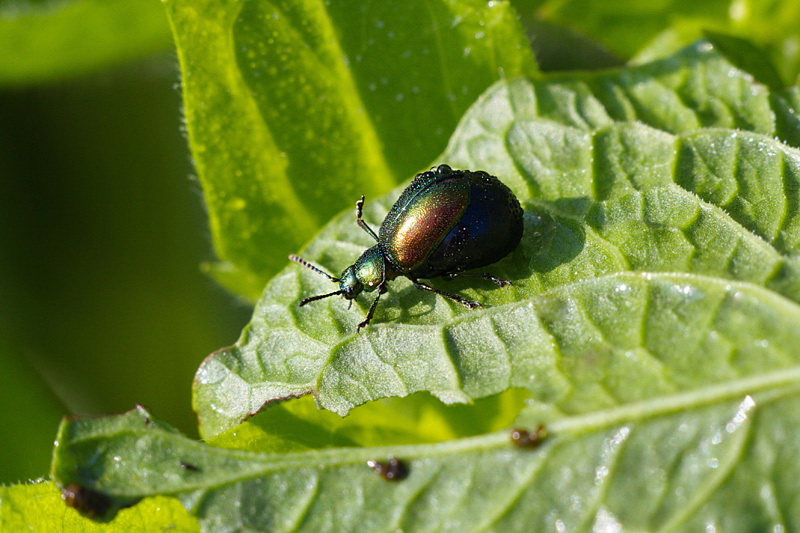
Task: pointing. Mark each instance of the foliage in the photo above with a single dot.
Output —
(313, 114)
(603, 194)
(651, 330)
(648, 30)
(39, 507)
(44, 40)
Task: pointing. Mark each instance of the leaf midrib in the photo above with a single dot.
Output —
(782, 383)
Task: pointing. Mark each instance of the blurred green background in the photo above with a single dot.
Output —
(102, 234)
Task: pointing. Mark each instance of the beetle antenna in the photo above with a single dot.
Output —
(315, 269)
(320, 297)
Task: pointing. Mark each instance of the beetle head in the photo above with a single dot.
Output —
(366, 274)
(349, 284)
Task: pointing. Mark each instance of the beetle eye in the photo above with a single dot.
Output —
(443, 169)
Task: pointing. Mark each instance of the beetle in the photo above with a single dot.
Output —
(392, 470)
(445, 222)
(88, 502)
(522, 438)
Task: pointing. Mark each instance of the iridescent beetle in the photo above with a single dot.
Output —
(447, 221)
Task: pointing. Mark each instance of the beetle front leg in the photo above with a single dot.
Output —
(456, 298)
(371, 312)
(360, 221)
(481, 275)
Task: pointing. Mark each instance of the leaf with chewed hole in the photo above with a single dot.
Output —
(40, 507)
(666, 400)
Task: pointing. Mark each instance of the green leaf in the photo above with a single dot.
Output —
(295, 108)
(746, 57)
(650, 29)
(601, 195)
(644, 432)
(625, 26)
(697, 87)
(39, 507)
(558, 48)
(54, 39)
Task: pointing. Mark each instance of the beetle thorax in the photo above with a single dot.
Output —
(365, 274)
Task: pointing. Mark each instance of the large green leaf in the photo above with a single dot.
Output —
(644, 432)
(295, 108)
(652, 327)
(602, 195)
(42, 40)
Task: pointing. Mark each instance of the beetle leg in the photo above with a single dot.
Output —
(425, 287)
(360, 221)
(381, 290)
(482, 275)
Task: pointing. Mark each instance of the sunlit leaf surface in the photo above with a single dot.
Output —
(295, 108)
(652, 327)
(677, 190)
(40, 507)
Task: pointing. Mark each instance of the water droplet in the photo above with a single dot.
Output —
(600, 474)
(606, 522)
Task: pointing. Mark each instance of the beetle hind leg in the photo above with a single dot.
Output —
(470, 304)
(481, 275)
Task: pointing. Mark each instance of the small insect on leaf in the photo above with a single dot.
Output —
(89, 503)
(189, 467)
(522, 438)
(446, 222)
(391, 470)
